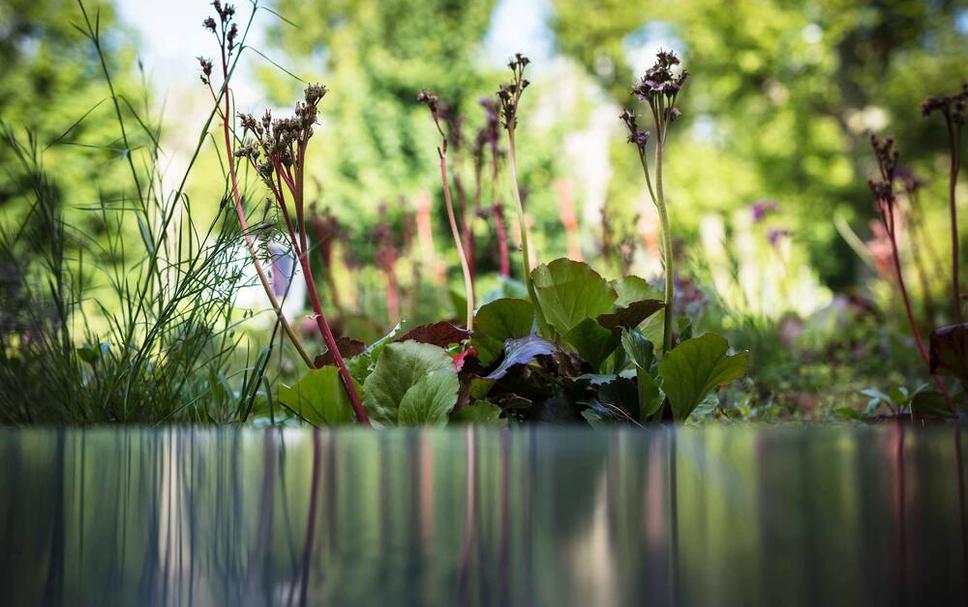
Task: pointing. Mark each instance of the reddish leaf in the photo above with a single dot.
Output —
(347, 347)
(441, 334)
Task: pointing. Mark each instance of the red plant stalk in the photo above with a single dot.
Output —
(500, 227)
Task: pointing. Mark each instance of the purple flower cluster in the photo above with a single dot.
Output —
(660, 80)
(762, 208)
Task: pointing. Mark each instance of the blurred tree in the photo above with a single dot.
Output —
(53, 88)
(784, 93)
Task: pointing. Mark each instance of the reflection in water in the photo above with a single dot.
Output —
(725, 516)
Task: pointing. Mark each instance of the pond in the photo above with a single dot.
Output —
(541, 516)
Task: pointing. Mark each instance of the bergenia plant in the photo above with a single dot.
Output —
(659, 88)
(509, 96)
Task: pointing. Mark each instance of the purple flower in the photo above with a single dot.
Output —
(761, 208)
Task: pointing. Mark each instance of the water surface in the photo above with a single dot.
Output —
(542, 516)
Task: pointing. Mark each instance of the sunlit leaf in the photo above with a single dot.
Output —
(399, 368)
(569, 292)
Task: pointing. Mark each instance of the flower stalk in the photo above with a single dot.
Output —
(509, 96)
(954, 108)
(433, 104)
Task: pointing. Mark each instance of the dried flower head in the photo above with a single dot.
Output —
(206, 67)
(636, 135)
(887, 156)
(509, 93)
(954, 107)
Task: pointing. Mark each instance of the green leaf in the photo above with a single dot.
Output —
(651, 395)
(497, 322)
(429, 400)
(639, 349)
(593, 342)
(696, 366)
(480, 412)
(319, 397)
(632, 288)
(569, 291)
(642, 353)
(399, 368)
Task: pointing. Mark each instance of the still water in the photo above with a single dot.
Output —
(716, 516)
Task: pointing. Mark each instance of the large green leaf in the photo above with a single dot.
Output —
(319, 397)
(696, 366)
(429, 400)
(570, 291)
(593, 342)
(400, 368)
(497, 322)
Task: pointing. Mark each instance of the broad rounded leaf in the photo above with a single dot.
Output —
(497, 322)
(570, 291)
(319, 397)
(696, 366)
(429, 400)
(400, 366)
